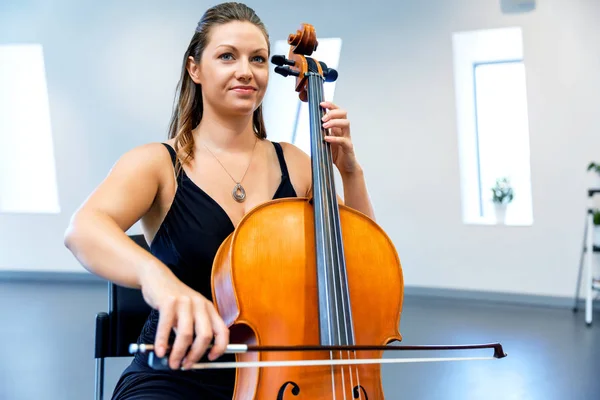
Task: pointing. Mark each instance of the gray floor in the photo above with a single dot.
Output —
(46, 337)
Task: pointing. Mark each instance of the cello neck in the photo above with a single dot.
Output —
(335, 316)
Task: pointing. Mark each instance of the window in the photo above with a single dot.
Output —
(493, 126)
(288, 120)
(27, 167)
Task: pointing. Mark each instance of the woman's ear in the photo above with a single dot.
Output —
(193, 69)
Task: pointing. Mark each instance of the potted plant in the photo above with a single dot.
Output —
(596, 222)
(595, 167)
(502, 196)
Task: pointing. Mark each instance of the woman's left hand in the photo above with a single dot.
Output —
(342, 149)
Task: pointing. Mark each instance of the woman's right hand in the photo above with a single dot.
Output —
(187, 312)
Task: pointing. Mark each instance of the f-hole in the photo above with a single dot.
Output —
(356, 392)
(295, 389)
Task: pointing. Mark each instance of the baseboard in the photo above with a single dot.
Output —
(495, 297)
(50, 277)
(409, 291)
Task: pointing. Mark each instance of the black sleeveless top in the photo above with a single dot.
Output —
(196, 225)
(187, 242)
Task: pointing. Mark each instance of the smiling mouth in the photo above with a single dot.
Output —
(244, 89)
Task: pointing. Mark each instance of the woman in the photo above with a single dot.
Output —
(190, 192)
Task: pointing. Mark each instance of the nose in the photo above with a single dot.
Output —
(244, 72)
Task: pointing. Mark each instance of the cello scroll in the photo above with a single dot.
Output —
(303, 43)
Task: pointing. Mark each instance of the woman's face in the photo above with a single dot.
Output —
(234, 68)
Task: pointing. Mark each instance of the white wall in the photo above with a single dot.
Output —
(112, 69)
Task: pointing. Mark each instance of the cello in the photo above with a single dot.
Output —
(307, 285)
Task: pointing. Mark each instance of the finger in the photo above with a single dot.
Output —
(328, 105)
(221, 333)
(165, 323)
(185, 332)
(335, 114)
(204, 334)
(337, 132)
(344, 142)
(337, 123)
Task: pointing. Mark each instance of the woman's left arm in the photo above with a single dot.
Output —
(356, 195)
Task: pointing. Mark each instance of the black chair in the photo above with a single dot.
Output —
(121, 326)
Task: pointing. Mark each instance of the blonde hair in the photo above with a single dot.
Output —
(188, 107)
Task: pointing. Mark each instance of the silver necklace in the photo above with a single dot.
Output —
(238, 192)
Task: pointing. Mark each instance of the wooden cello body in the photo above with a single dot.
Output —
(306, 272)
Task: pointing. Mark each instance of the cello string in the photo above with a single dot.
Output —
(338, 254)
(315, 89)
(315, 122)
(316, 92)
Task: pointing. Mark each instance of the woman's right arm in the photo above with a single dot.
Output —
(96, 237)
(96, 233)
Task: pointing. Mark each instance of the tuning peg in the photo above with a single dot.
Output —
(281, 60)
(286, 71)
(330, 74)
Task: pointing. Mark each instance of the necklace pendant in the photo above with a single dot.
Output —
(238, 193)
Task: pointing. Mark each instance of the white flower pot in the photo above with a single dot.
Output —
(500, 211)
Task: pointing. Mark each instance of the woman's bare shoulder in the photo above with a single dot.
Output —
(132, 184)
(152, 158)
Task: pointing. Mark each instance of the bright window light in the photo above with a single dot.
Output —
(27, 165)
(502, 133)
(492, 123)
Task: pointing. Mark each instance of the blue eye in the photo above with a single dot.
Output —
(260, 59)
(222, 56)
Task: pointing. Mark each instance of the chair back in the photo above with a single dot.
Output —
(127, 313)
